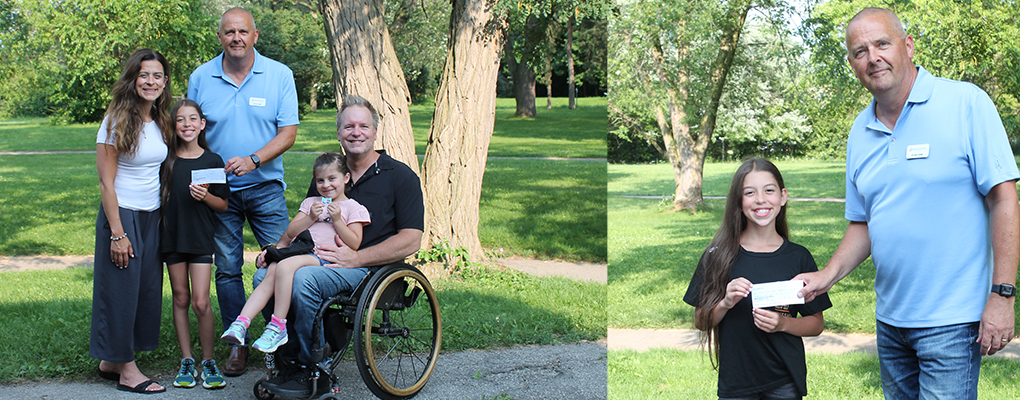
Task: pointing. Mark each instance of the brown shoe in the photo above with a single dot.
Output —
(237, 362)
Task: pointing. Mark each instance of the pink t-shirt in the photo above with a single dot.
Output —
(323, 233)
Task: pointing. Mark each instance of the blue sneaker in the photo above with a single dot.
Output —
(211, 378)
(186, 375)
(272, 338)
(235, 334)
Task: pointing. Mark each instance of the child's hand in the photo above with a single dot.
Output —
(316, 209)
(198, 192)
(737, 289)
(260, 261)
(334, 211)
(768, 321)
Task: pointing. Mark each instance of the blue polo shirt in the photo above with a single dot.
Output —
(921, 189)
(243, 117)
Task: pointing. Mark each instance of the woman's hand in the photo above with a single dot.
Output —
(736, 290)
(768, 321)
(121, 252)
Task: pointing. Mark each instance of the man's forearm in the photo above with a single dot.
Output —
(391, 250)
(1004, 214)
(284, 139)
(852, 251)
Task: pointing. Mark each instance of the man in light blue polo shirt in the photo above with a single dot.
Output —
(931, 197)
(250, 104)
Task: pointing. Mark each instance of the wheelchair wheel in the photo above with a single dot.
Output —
(397, 332)
(260, 391)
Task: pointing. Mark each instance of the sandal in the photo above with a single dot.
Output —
(110, 376)
(141, 387)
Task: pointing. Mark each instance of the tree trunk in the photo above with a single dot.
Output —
(458, 141)
(686, 152)
(313, 99)
(548, 65)
(364, 63)
(524, 82)
(571, 104)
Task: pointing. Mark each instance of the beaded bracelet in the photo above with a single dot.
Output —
(117, 239)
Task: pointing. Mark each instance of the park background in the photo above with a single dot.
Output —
(543, 194)
(696, 86)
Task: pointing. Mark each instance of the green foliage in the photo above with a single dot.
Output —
(297, 38)
(454, 259)
(419, 31)
(978, 43)
(72, 52)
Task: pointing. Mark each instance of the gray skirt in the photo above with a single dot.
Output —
(126, 303)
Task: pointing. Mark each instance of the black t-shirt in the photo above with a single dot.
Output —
(751, 360)
(187, 224)
(392, 194)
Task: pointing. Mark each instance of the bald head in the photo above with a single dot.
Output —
(889, 17)
(237, 12)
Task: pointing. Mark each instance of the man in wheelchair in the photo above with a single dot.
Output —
(392, 193)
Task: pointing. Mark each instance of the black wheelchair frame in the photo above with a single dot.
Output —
(393, 317)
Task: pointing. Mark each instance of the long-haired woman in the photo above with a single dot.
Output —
(128, 276)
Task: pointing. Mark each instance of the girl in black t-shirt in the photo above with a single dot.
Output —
(187, 239)
(758, 352)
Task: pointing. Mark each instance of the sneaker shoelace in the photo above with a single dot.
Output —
(187, 368)
(210, 369)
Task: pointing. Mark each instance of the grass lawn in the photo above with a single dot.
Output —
(47, 313)
(548, 209)
(653, 253)
(680, 374)
(560, 132)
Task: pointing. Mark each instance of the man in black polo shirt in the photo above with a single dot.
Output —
(392, 193)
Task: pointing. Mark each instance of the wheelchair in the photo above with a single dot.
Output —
(393, 318)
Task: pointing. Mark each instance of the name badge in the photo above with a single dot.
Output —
(917, 151)
(256, 102)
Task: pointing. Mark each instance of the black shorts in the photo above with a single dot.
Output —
(175, 258)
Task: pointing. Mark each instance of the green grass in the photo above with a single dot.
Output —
(47, 316)
(680, 374)
(560, 132)
(531, 208)
(808, 178)
(653, 253)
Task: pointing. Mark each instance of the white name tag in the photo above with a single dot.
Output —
(917, 151)
(256, 102)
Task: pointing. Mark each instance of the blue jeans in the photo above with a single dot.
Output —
(312, 285)
(265, 208)
(929, 363)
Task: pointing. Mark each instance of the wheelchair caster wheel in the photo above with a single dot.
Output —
(260, 391)
(329, 396)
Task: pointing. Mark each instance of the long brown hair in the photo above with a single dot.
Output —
(175, 143)
(125, 110)
(722, 251)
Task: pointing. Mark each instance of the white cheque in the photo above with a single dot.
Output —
(208, 175)
(776, 293)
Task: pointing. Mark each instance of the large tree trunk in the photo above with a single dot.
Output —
(570, 64)
(524, 82)
(364, 63)
(688, 153)
(458, 142)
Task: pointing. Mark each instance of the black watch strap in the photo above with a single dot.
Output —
(1004, 290)
(255, 159)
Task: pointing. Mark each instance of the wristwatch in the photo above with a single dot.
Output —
(1004, 290)
(255, 159)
